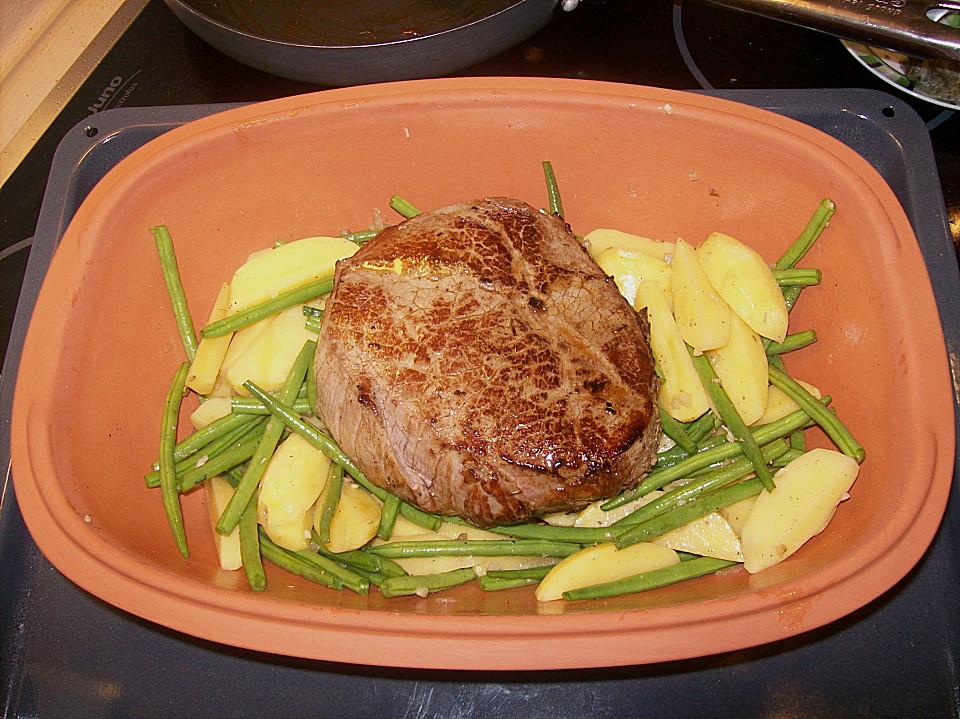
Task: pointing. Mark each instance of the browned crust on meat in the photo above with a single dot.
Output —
(476, 361)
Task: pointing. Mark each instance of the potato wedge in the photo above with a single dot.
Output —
(356, 520)
(779, 404)
(218, 492)
(681, 393)
(742, 277)
(207, 412)
(268, 358)
(602, 563)
(293, 535)
(709, 536)
(629, 269)
(736, 514)
(801, 505)
(602, 239)
(292, 482)
(205, 367)
(268, 274)
(702, 315)
(741, 366)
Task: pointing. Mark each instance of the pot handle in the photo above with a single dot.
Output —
(915, 27)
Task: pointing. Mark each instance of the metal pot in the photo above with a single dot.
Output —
(353, 43)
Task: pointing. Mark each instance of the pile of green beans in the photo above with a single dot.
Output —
(713, 462)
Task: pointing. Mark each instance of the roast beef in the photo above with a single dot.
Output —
(476, 361)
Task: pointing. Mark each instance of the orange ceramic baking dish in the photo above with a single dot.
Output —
(102, 347)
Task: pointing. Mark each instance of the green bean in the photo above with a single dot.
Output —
(236, 455)
(498, 584)
(792, 343)
(313, 324)
(787, 457)
(528, 573)
(815, 227)
(553, 533)
(403, 207)
(677, 432)
(790, 296)
(707, 457)
(251, 405)
(360, 237)
(827, 421)
(296, 564)
(735, 470)
(268, 443)
(309, 311)
(650, 580)
(354, 559)
(202, 437)
(351, 580)
(694, 509)
(388, 516)
(250, 547)
(495, 580)
(796, 277)
(702, 426)
(270, 307)
(312, 387)
(168, 476)
(216, 447)
(331, 498)
(474, 548)
(325, 444)
(553, 189)
(422, 585)
(178, 298)
(731, 418)
(675, 454)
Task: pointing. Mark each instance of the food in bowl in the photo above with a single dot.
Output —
(733, 482)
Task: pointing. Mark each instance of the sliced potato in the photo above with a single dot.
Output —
(207, 412)
(241, 341)
(286, 267)
(268, 358)
(702, 316)
(681, 393)
(205, 367)
(741, 366)
(736, 514)
(629, 269)
(593, 515)
(602, 563)
(746, 282)
(293, 535)
(291, 483)
(779, 403)
(356, 520)
(801, 505)
(600, 240)
(218, 493)
(709, 536)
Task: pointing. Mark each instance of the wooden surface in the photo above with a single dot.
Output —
(40, 41)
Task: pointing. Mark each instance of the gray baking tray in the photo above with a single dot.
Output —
(64, 653)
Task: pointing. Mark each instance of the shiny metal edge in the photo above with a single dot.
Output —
(20, 145)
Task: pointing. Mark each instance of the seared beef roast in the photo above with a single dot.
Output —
(476, 361)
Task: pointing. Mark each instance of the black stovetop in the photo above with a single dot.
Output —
(669, 43)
